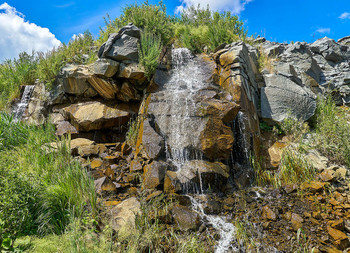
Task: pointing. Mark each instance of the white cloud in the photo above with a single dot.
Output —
(345, 15)
(323, 30)
(235, 6)
(18, 35)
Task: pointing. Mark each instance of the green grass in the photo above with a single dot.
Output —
(42, 66)
(195, 29)
(332, 128)
(41, 190)
(150, 48)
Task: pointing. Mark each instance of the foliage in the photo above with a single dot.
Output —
(42, 66)
(41, 189)
(265, 61)
(293, 169)
(332, 129)
(132, 134)
(195, 28)
(12, 133)
(294, 128)
(150, 48)
(148, 17)
(199, 27)
(149, 235)
(13, 74)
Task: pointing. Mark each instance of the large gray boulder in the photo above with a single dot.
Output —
(329, 49)
(105, 67)
(282, 98)
(122, 46)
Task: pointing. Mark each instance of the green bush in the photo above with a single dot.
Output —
(42, 189)
(152, 18)
(150, 48)
(202, 27)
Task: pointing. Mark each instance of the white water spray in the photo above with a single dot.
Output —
(23, 104)
(181, 129)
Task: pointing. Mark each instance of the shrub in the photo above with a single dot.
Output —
(152, 18)
(42, 190)
(332, 129)
(150, 48)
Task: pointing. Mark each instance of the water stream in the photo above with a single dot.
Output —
(187, 79)
(21, 107)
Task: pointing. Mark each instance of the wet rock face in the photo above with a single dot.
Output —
(203, 176)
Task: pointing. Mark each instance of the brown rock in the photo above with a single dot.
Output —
(171, 183)
(74, 79)
(83, 147)
(127, 92)
(96, 163)
(268, 214)
(124, 216)
(224, 110)
(64, 127)
(154, 174)
(126, 149)
(135, 165)
(105, 87)
(185, 218)
(313, 186)
(104, 184)
(338, 224)
(275, 153)
(341, 240)
(96, 115)
(132, 71)
(327, 175)
(296, 221)
(112, 203)
(153, 195)
(290, 188)
(216, 140)
(204, 174)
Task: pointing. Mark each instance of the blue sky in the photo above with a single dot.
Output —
(40, 25)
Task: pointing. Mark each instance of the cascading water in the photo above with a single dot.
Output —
(181, 130)
(185, 81)
(23, 104)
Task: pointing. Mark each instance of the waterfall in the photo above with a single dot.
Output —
(186, 80)
(21, 107)
(180, 128)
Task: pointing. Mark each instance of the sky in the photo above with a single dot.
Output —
(27, 25)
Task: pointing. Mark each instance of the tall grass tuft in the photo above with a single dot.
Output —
(150, 48)
(43, 189)
(332, 127)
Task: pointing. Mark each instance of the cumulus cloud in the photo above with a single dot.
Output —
(345, 15)
(323, 30)
(235, 6)
(18, 35)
